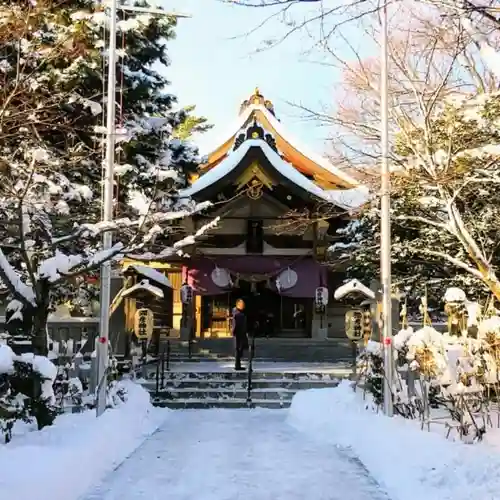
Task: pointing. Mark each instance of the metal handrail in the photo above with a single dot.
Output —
(168, 355)
(250, 370)
(162, 364)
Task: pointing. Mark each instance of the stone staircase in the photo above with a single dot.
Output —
(228, 389)
(273, 349)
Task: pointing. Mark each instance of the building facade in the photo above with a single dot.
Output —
(279, 208)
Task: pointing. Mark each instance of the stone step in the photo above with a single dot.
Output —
(206, 404)
(196, 359)
(242, 384)
(225, 394)
(305, 350)
(243, 375)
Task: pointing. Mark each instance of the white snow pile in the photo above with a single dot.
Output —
(408, 463)
(41, 365)
(66, 460)
(455, 295)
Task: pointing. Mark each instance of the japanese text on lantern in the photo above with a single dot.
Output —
(144, 321)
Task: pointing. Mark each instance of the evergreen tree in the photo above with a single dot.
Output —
(192, 125)
(53, 67)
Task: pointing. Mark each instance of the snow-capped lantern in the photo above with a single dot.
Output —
(321, 298)
(456, 310)
(186, 293)
(221, 277)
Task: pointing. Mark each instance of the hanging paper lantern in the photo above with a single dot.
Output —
(186, 294)
(321, 298)
(322, 295)
(221, 277)
(287, 279)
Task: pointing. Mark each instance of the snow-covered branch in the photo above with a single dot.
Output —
(14, 283)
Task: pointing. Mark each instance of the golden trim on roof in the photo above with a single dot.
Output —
(257, 99)
(322, 176)
(254, 171)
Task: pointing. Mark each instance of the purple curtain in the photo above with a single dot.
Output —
(310, 274)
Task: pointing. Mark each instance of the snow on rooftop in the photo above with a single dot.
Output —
(144, 285)
(284, 168)
(350, 198)
(151, 274)
(283, 132)
(231, 131)
(353, 286)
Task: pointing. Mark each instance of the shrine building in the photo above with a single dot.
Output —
(280, 207)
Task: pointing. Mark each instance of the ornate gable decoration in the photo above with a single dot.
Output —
(257, 99)
(255, 131)
(253, 181)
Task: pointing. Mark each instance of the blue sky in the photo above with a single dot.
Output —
(216, 73)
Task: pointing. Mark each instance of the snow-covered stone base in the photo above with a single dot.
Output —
(65, 460)
(409, 464)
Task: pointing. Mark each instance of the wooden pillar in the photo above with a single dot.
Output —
(197, 314)
(130, 309)
(175, 277)
(315, 238)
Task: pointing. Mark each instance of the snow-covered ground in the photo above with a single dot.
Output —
(63, 461)
(408, 463)
(236, 455)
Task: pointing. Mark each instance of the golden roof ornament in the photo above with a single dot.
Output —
(257, 99)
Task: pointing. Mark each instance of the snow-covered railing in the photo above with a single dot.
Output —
(78, 330)
(75, 320)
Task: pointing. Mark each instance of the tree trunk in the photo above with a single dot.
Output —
(41, 314)
(494, 286)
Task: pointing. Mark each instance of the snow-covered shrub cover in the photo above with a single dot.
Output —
(26, 389)
(454, 294)
(78, 451)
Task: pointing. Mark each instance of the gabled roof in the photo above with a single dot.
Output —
(260, 112)
(237, 161)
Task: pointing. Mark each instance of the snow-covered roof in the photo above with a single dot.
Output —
(151, 274)
(285, 135)
(286, 169)
(349, 198)
(144, 285)
(353, 286)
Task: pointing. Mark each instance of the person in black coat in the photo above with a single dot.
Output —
(239, 331)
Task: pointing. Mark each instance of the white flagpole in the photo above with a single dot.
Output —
(107, 240)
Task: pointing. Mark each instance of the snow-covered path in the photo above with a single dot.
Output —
(235, 455)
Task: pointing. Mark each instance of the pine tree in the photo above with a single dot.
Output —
(53, 67)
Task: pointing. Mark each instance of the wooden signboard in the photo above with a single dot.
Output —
(143, 324)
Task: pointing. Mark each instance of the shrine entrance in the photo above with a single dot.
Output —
(269, 314)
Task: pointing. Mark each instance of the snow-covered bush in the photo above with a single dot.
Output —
(370, 367)
(26, 389)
